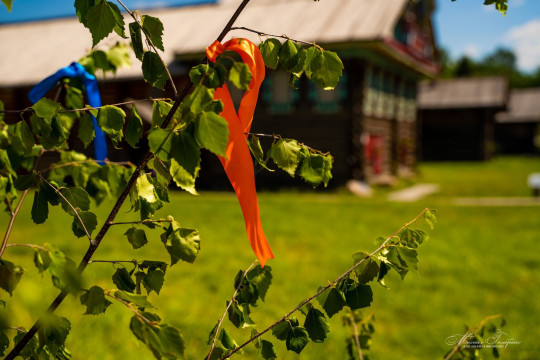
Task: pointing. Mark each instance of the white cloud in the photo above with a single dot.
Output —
(471, 50)
(526, 44)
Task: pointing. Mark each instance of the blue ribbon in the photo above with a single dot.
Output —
(76, 70)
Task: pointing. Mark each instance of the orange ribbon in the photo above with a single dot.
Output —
(238, 164)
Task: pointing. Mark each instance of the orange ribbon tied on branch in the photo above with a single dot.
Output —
(238, 164)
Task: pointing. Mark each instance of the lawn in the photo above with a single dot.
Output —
(479, 261)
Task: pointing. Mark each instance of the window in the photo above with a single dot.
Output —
(328, 101)
(277, 94)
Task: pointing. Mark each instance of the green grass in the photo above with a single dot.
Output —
(480, 261)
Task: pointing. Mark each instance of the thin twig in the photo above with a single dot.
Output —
(227, 309)
(89, 161)
(119, 202)
(128, 305)
(70, 205)
(260, 33)
(279, 137)
(345, 274)
(470, 330)
(87, 108)
(140, 222)
(356, 336)
(113, 261)
(17, 209)
(152, 45)
(33, 246)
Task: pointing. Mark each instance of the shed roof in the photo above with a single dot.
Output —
(38, 49)
(523, 106)
(477, 92)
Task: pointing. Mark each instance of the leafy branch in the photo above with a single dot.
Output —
(119, 202)
(15, 212)
(260, 33)
(427, 213)
(149, 40)
(59, 193)
(220, 322)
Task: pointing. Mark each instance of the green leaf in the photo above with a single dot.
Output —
(240, 76)
(135, 128)
(94, 300)
(297, 339)
(256, 150)
(226, 340)
(154, 29)
(162, 340)
(118, 56)
(160, 142)
(24, 182)
(89, 220)
(111, 120)
(24, 133)
(75, 196)
(315, 168)
(267, 350)
(316, 325)
(262, 278)
(207, 75)
(288, 55)
(172, 342)
(332, 301)
(46, 109)
(153, 281)
(10, 275)
(359, 296)
(368, 270)
(137, 300)
(9, 4)
(100, 19)
(40, 207)
(136, 237)
(145, 189)
(86, 130)
(281, 331)
(54, 331)
(286, 153)
(430, 218)
(323, 67)
(403, 259)
(212, 132)
(181, 244)
(153, 70)
(123, 280)
(4, 343)
(185, 161)
(270, 52)
(136, 40)
(198, 100)
(119, 26)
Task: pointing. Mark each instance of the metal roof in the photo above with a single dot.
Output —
(35, 50)
(523, 106)
(474, 92)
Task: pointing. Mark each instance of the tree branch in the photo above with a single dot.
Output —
(128, 305)
(16, 212)
(345, 274)
(140, 222)
(275, 36)
(220, 322)
(152, 45)
(110, 219)
(135, 262)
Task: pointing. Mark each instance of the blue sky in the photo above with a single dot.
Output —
(461, 27)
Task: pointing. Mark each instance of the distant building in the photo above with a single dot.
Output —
(457, 117)
(517, 130)
(368, 122)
